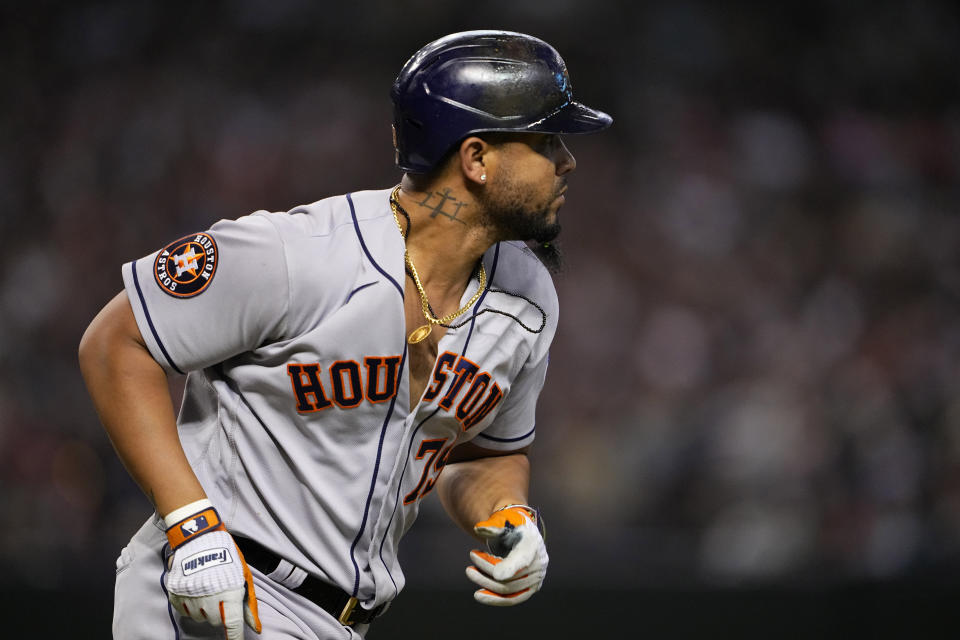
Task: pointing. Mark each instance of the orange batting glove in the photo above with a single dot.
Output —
(515, 569)
(208, 579)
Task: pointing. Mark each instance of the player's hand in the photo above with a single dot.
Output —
(515, 569)
(208, 579)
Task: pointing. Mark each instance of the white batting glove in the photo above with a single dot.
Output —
(516, 568)
(208, 579)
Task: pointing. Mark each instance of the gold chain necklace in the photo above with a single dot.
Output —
(420, 334)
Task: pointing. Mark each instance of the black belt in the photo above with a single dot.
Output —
(337, 603)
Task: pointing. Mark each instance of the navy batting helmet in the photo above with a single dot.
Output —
(477, 81)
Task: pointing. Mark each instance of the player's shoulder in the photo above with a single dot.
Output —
(328, 216)
(521, 272)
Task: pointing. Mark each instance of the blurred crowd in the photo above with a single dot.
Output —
(757, 372)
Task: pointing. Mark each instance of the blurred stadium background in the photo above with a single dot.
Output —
(751, 425)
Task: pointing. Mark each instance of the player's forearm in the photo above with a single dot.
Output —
(471, 490)
(130, 393)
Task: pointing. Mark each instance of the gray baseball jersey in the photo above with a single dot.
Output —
(296, 413)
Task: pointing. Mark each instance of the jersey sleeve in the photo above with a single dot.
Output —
(514, 426)
(211, 295)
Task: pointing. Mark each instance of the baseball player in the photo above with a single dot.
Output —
(344, 360)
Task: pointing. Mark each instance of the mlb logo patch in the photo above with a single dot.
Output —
(191, 527)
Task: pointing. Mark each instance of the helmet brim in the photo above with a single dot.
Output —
(573, 117)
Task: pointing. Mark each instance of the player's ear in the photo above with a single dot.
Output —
(474, 155)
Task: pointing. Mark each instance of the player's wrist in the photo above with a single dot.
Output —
(180, 513)
(534, 513)
(531, 511)
(194, 524)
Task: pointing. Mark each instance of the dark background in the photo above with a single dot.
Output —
(751, 426)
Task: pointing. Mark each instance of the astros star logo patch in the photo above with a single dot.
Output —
(186, 266)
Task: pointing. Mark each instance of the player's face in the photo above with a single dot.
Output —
(524, 199)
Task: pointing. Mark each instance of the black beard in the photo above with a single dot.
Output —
(517, 224)
(514, 220)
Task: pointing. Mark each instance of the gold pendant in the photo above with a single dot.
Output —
(420, 334)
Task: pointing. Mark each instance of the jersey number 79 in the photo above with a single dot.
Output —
(438, 458)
